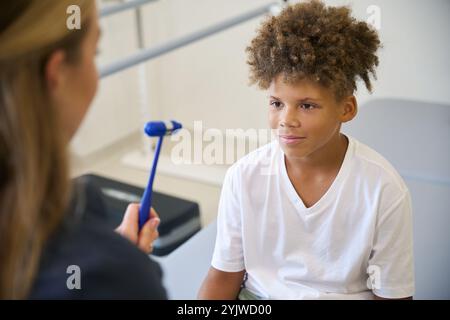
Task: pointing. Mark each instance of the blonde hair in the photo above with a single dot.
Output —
(34, 180)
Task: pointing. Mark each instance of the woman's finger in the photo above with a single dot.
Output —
(130, 223)
(153, 213)
(148, 234)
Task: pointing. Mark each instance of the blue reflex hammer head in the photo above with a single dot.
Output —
(161, 128)
(154, 129)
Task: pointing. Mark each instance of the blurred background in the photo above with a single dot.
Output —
(407, 118)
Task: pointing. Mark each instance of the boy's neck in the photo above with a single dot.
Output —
(328, 157)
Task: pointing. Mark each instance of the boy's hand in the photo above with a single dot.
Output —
(129, 228)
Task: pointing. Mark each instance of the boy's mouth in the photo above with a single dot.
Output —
(291, 139)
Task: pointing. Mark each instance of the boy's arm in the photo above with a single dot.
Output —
(392, 255)
(221, 285)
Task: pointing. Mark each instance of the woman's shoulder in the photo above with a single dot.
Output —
(86, 259)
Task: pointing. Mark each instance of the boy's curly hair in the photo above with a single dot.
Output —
(314, 42)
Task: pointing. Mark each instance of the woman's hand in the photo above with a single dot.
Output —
(129, 228)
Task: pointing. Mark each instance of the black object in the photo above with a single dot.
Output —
(180, 219)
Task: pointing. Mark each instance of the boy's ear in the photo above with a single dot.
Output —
(350, 108)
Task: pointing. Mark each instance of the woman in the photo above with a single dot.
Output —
(48, 227)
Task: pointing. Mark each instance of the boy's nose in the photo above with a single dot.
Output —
(289, 118)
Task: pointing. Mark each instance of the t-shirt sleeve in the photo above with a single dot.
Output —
(228, 252)
(391, 263)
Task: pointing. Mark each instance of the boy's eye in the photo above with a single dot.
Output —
(307, 106)
(276, 104)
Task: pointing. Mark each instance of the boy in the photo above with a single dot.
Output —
(333, 219)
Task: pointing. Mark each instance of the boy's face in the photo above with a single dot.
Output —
(306, 116)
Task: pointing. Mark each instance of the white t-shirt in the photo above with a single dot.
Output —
(362, 225)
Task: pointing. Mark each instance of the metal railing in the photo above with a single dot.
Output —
(151, 53)
(110, 10)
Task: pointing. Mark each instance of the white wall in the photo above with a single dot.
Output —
(208, 79)
(414, 62)
(114, 112)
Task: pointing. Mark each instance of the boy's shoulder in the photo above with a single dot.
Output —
(365, 163)
(260, 159)
(373, 164)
